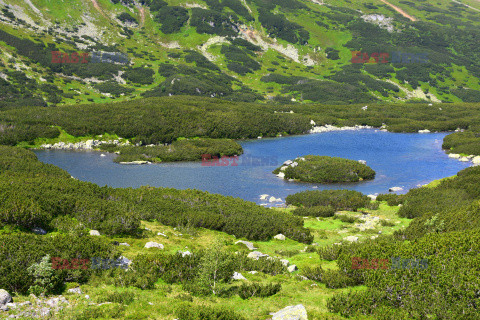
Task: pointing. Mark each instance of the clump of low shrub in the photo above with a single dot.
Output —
(346, 218)
(335, 279)
(313, 273)
(246, 291)
(329, 253)
(126, 297)
(317, 211)
(338, 199)
(392, 199)
(204, 312)
(323, 169)
(26, 255)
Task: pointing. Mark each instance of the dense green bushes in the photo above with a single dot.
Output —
(246, 291)
(392, 199)
(126, 17)
(20, 251)
(279, 26)
(338, 199)
(139, 75)
(323, 169)
(172, 18)
(155, 120)
(162, 120)
(239, 60)
(34, 194)
(214, 22)
(180, 150)
(195, 272)
(235, 5)
(113, 88)
(317, 211)
(451, 206)
(447, 289)
(463, 142)
(195, 312)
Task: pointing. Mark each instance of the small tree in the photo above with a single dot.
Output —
(216, 268)
(45, 279)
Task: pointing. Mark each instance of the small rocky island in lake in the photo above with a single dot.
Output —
(324, 169)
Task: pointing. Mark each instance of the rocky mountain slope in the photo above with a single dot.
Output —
(328, 51)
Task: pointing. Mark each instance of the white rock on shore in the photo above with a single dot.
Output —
(329, 128)
(83, 145)
(395, 189)
(136, 162)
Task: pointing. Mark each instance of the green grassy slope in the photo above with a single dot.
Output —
(245, 51)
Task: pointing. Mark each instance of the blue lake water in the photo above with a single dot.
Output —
(399, 159)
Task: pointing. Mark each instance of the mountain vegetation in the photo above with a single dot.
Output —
(323, 169)
(255, 50)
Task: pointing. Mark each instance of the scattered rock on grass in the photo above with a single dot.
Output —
(351, 238)
(297, 312)
(292, 268)
(152, 244)
(238, 276)
(5, 297)
(94, 233)
(249, 245)
(279, 237)
(257, 255)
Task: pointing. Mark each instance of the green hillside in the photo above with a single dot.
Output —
(241, 50)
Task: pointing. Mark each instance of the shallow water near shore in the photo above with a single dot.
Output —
(399, 159)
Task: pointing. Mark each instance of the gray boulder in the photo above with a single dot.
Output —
(94, 233)
(297, 312)
(76, 290)
(351, 238)
(285, 262)
(257, 255)
(249, 245)
(123, 262)
(185, 253)
(154, 245)
(292, 268)
(39, 231)
(238, 276)
(279, 237)
(5, 297)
